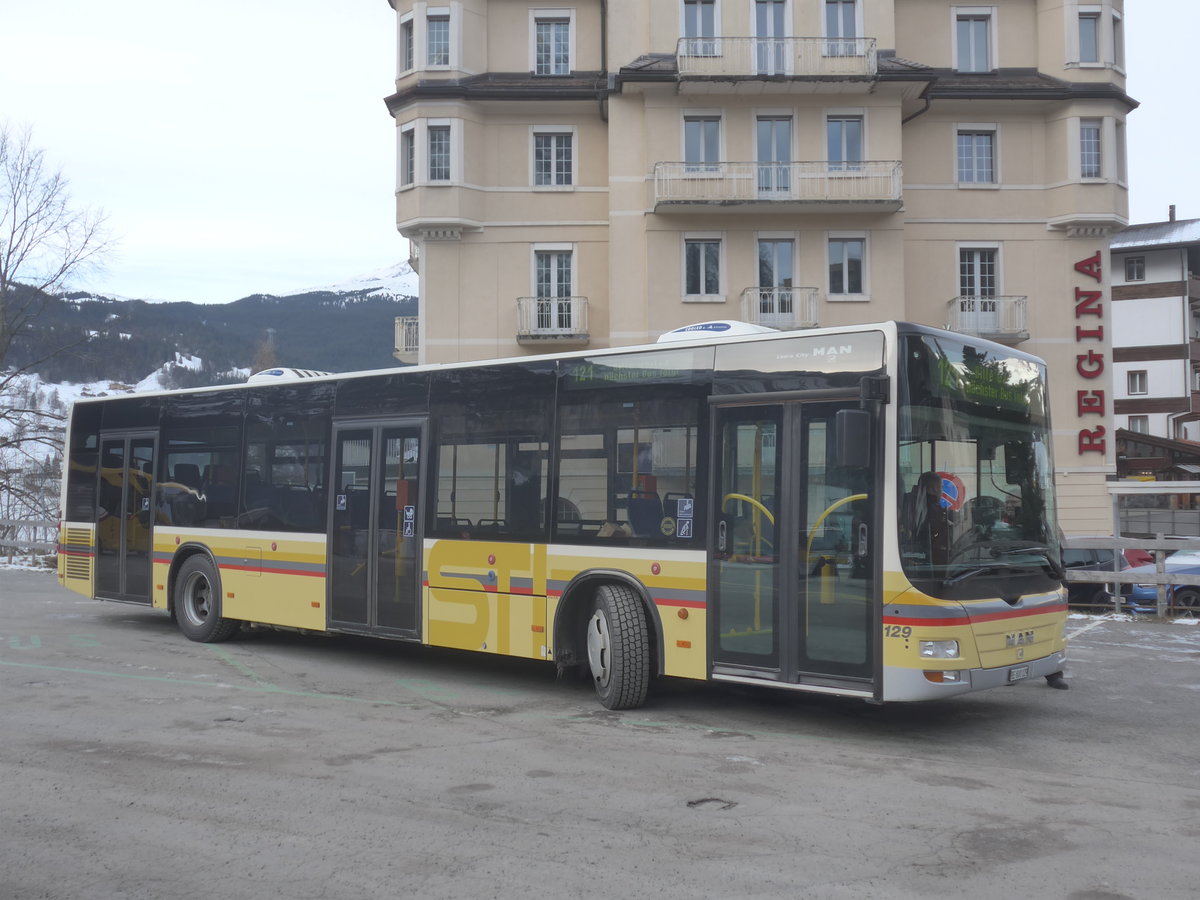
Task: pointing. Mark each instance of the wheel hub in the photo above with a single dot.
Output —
(599, 647)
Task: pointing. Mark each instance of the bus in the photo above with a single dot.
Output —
(864, 511)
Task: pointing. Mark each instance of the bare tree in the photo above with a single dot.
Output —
(44, 241)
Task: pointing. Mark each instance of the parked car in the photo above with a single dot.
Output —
(1089, 559)
(1182, 599)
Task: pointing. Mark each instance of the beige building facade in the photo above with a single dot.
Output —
(593, 174)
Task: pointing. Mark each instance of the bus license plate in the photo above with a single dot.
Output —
(1019, 673)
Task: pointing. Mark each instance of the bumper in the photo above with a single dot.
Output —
(911, 684)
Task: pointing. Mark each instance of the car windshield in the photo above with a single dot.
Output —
(975, 470)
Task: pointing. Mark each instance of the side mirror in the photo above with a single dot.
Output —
(852, 438)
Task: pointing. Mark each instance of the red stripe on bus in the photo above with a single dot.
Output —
(972, 620)
(690, 604)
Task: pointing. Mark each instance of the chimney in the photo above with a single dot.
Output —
(1171, 213)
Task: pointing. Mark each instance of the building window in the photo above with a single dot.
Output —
(439, 152)
(701, 141)
(1139, 424)
(1135, 268)
(437, 40)
(552, 46)
(702, 267)
(844, 142)
(408, 156)
(553, 159)
(977, 272)
(841, 21)
(846, 265)
(1089, 37)
(553, 274)
(1118, 26)
(973, 40)
(700, 27)
(408, 57)
(1138, 382)
(976, 156)
(1089, 148)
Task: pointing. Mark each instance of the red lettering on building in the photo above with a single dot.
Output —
(1091, 266)
(1090, 364)
(1087, 303)
(1091, 440)
(1089, 403)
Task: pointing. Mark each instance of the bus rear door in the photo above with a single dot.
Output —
(375, 528)
(125, 516)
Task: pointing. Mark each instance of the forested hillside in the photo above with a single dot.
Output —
(82, 338)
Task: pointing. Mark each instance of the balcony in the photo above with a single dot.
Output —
(560, 320)
(827, 62)
(786, 308)
(1000, 319)
(874, 186)
(408, 339)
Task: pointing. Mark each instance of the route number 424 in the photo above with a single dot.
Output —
(897, 631)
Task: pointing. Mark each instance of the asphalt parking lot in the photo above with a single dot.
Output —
(137, 764)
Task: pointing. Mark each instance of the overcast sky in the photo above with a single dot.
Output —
(241, 146)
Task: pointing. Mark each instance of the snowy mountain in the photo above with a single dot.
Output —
(396, 281)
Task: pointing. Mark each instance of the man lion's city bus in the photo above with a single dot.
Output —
(864, 511)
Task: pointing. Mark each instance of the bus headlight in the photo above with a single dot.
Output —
(939, 649)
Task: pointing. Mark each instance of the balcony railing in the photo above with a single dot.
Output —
(408, 338)
(794, 57)
(562, 319)
(868, 186)
(996, 318)
(781, 307)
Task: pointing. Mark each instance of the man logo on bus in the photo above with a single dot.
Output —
(954, 492)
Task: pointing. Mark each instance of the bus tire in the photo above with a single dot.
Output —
(198, 603)
(618, 647)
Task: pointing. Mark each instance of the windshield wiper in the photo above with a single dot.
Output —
(971, 573)
(1053, 565)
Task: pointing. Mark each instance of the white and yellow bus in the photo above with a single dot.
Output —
(865, 511)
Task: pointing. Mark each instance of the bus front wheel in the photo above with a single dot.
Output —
(618, 647)
(198, 603)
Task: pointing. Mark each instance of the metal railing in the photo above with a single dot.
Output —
(781, 307)
(795, 57)
(802, 181)
(1159, 546)
(992, 317)
(23, 537)
(1135, 520)
(408, 335)
(552, 318)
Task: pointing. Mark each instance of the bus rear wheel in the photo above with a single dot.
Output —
(618, 647)
(198, 603)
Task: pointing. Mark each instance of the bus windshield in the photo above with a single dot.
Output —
(975, 474)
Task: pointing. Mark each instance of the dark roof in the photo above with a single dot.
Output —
(504, 86)
(1157, 234)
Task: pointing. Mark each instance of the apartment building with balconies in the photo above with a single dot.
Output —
(593, 174)
(1156, 317)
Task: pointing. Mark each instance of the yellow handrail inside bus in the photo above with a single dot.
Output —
(827, 572)
(766, 512)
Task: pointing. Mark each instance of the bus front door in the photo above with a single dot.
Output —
(125, 517)
(792, 551)
(375, 533)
